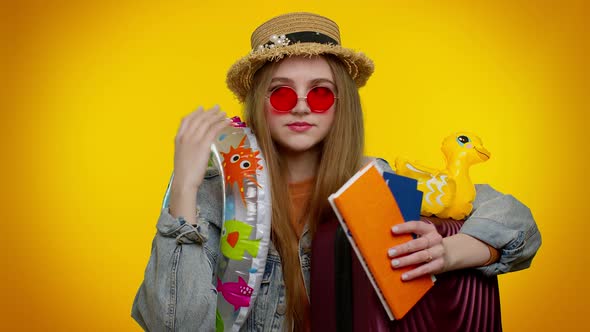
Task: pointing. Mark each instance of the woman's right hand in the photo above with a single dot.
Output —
(193, 145)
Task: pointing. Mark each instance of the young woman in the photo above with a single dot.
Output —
(300, 90)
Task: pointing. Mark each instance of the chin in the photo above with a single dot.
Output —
(298, 147)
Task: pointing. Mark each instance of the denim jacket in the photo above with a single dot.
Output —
(177, 293)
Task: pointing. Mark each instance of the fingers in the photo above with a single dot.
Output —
(426, 252)
(185, 122)
(216, 127)
(416, 227)
(200, 123)
(433, 267)
(203, 126)
(423, 256)
(429, 237)
(428, 261)
(409, 247)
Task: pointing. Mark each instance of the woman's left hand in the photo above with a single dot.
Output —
(427, 251)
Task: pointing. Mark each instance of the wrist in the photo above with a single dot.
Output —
(463, 251)
(183, 203)
(183, 187)
(449, 259)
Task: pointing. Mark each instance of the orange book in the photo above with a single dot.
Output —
(367, 210)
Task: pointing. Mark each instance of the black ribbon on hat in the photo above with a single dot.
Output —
(307, 37)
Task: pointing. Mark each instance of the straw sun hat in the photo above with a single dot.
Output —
(295, 34)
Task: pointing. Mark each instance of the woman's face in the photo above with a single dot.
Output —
(300, 129)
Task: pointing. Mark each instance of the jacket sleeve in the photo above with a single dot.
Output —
(503, 222)
(177, 293)
(506, 224)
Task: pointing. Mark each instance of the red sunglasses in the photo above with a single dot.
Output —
(284, 98)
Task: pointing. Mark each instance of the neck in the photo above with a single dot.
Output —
(457, 167)
(301, 165)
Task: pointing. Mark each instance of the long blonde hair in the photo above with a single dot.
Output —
(341, 157)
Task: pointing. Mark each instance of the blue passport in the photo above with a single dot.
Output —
(406, 194)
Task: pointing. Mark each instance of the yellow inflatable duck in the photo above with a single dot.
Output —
(448, 193)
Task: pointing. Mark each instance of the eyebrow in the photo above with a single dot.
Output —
(312, 82)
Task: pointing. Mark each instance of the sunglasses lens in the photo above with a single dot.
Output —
(320, 99)
(283, 99)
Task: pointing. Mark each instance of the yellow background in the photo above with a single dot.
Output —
(93, 93)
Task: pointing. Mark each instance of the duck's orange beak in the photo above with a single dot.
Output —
(482, 152)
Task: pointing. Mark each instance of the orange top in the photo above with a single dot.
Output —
(300, 193)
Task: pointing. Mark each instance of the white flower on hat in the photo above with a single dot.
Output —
(275, 41)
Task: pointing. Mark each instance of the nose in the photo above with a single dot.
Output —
(301, 107)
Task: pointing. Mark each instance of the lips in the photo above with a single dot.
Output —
(299, 126)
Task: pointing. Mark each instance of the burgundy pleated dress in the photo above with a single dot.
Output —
(343, 299)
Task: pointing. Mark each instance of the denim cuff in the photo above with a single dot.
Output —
(178, 228)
